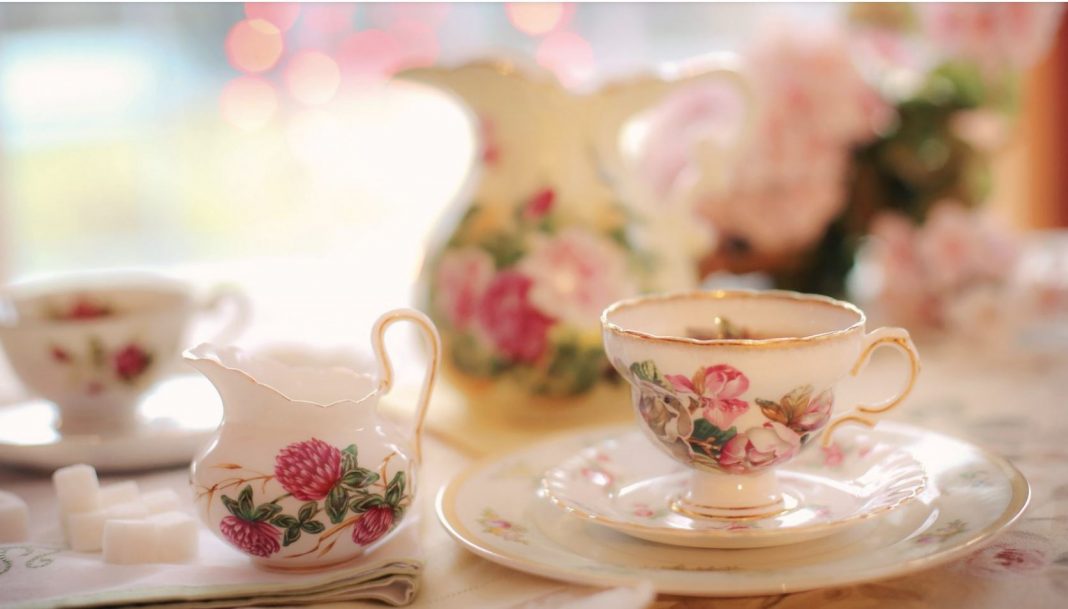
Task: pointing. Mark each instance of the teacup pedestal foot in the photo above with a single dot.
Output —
(726, 496)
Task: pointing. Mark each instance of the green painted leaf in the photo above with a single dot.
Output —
(363, 503)
(397, 482)
(308, 511)
(285, 521)
(704, 430)
(359, 478)
(337, 503)
(393, 496)
(266, 511)
(647, 371)
(231, 506)
(348, 458)
(314, 527)
(291, 536)
(244, 502)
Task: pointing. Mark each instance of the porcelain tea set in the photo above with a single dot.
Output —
(733, 392)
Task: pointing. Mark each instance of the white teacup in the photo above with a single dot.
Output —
(735, 383)
(94, 344)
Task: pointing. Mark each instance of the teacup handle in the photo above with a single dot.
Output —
(241, 311)
(385, 367)
(888, 337)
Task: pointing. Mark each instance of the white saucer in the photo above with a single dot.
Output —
(626, 484)
(174, 419)
(498, 510)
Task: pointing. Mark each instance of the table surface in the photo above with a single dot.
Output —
(1015, 405)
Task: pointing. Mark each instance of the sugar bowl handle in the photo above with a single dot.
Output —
(385, 367)
(883, 337)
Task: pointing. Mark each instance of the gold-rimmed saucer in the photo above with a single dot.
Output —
(625, 483)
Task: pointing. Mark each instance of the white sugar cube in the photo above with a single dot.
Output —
(77, 488)
(162, 500)
(85, 530)
(121, 492)
(176, 537)
(128, 542)
(14, 518)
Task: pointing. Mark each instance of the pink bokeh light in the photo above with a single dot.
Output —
(254, 45)
(281, 14)
(312, 77)
(567, 55)
(369, 55)
(539, 18)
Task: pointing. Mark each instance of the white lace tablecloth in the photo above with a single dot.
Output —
(1015, 406)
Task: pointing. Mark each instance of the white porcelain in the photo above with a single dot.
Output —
(497, 510)
(172, 420)
(627, 485)
(303, 472)
(734, 384)
(94, 344)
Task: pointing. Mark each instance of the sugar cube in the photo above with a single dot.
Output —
(121, 492)
(77, 488)
(162, 500)
(176, 537)
(128, 542)
(85, 530)
(14, 518)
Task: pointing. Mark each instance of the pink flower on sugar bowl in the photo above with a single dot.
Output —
(462, 277)
(576, 274)
(308, 470)
(374, 523)
(716, 389)
(257, 538)
(518, 329)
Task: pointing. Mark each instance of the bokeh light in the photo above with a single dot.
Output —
(328, 19)
(281, 14)
(312, 77)
(383, 15)
(254, 45)
(369, 55)
(567, 55)
(418, 42)
(248, 102)
(538, 18)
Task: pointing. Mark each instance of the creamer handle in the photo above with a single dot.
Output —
(385, 367)
(228, 295)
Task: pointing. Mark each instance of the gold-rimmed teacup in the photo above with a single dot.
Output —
(735, 383)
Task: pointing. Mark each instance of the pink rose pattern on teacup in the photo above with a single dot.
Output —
(332, 486)
(693, 417)
(97, 368)
(83, 308)
(519, 294)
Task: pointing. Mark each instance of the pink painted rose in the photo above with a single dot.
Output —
(60, 354)
(518, 329)
(309, 469)
(816, 414)
(716, 389)
(997, 36)
(759, 447)
(373, 524)
(1015, 553)
(575, 275)
(540, 204)
(462, 277)
(131, 362)
(256, 538)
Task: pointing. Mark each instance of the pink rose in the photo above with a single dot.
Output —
(518, 330)
(462, 277)
(716, 389)
(373, 524)
(1016, 552)
(256, 538)
(759, 448)
(816, 414)
(131, 362)
(997, 36)
(575, 275)
(309, 469)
